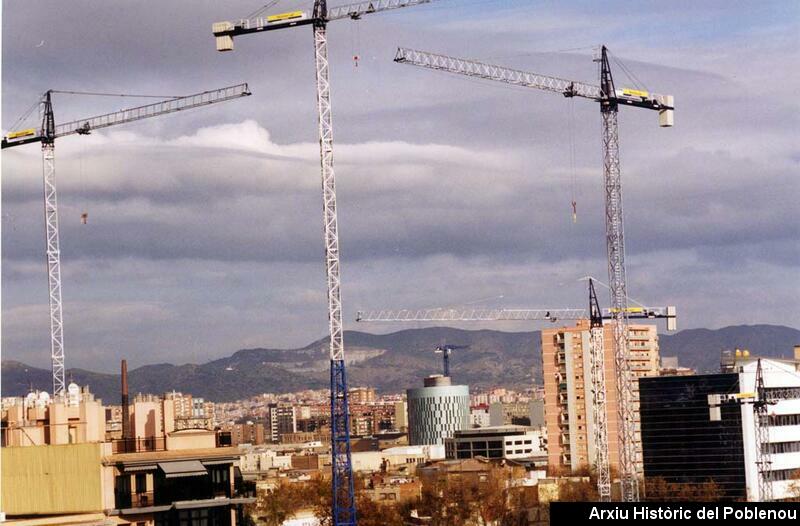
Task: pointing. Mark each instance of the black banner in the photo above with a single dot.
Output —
(657, 513)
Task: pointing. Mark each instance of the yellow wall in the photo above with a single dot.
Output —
(51, 479)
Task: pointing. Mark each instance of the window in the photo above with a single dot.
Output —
(781, 447)
(122, 490)
(141, 482)
(781, 474)
(783, 420)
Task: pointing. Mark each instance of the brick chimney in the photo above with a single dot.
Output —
(126, 417)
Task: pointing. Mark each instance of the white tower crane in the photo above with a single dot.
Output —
(343, 500)
(610, 99)
(47, 135)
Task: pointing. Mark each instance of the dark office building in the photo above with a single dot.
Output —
(680, 442)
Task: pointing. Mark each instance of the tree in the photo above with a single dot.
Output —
(371, 513)
(273, 507)
(658, 489)
(581, 490)
(794, 487)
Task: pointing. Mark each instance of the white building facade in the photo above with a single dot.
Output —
(436, 411)
(782, 386)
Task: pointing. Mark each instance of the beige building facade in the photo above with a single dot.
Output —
(568, 406)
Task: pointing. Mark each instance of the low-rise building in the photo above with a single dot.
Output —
(509, 442)
(384, 488)
(37, 419)
(479, 416)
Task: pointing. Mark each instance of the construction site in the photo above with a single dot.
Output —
(480, 191)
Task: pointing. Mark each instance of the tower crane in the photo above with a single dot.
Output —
(445, 351)
(47, 135)
(474, 315)
(599, 409)
(343, 499)
(610, 98)
(596, 351)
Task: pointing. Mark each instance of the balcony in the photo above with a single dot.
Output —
(175, 481)
(138, 445)
(135, 500)
(224, 439)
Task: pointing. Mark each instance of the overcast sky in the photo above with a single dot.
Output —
(205, 228)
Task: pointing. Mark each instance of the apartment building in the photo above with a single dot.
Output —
(37, 419)
(59, 468)
(568, 406)
(281, 420)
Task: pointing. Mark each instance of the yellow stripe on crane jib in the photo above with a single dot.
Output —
(285, 16)
(21, 133)
(635, 92)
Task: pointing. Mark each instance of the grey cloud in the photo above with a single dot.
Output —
(449, 189)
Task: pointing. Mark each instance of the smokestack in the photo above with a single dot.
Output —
(126, 418)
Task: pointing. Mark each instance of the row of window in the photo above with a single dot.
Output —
(781, 447)
(492, 453)
(784, 392)
(782, 474)
(519, 442)
(783, 420)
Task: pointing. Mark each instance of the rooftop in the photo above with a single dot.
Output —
(224, 453)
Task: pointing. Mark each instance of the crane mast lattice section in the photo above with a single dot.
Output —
(763, 456)
(344, 510)
(615, 246)
(599, 406)
(53, 249)
(53, 253)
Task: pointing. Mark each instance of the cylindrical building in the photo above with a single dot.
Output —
(436, 411)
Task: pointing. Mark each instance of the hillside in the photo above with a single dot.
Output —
(389, 362)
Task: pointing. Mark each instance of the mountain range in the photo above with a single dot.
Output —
(389, 362)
